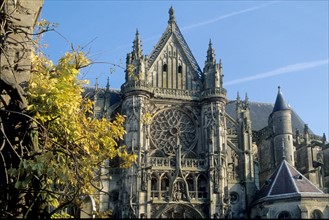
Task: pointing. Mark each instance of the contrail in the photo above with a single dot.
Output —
(279, 71)
(227, 16)
(203, 23)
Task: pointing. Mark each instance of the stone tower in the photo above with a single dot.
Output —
(244, 131)
(214, 139)
(280, 121)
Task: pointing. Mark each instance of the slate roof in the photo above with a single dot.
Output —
(259, 113)
(286, 181)
(280, 103)
(115, 95)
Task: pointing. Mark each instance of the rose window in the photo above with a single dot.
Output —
(171, 126)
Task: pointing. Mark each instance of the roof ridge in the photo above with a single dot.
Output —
(290, 175)
(276, 177)
(304, 178)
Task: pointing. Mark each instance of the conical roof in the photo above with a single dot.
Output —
(280, 103)
(286, 180)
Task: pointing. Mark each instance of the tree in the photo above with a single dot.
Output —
(52, 147)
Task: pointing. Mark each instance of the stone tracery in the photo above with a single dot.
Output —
(170, 128)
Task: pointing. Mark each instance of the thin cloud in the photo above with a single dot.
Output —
(196, 25)
(227, 16)
(280, 71)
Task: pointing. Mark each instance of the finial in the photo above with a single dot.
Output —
(210, 54)
(137, 46)
(305, 127)
(279, 89)
(324, 137)
(171, 14)
(246, 99)
(96, 84)
(108, 84)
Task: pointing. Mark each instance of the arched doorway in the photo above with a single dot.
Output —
(179, 211)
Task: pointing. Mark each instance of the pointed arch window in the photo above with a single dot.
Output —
(165, 183)
(154, 183)
(180, 69)
(165, 67)
(202, 187)
(190, 182)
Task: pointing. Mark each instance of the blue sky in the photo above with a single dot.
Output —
(262, 44)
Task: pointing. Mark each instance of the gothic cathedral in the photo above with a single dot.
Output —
(199, 155)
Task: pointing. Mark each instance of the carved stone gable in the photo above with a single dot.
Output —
(173, 69)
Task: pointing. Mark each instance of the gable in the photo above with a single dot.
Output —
(171, 64)
(172, 68)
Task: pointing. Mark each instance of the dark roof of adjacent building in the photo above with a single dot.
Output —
(286, 181)
(259, 114)
(115, 95)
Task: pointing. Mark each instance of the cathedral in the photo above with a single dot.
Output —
(201, 155)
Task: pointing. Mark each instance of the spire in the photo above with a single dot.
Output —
(210, 54)
(96, 84)
(238, 104)
(280, 103)
(246, 101)
(137, 47)
(108, 84)
(171, 15)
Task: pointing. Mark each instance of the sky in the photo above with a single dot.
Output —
(262, 44)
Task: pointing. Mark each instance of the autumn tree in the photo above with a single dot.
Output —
(51, 145)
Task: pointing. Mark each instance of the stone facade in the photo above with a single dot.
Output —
(195, 159)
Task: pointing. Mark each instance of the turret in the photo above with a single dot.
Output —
(137, 47)
(280, 121)
(106, 104)
(212, 72)
(96, 97)
(135, 62)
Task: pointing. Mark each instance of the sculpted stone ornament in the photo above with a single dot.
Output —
(179, 191)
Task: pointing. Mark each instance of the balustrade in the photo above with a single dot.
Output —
(163, 195)
(182, 93)
(213, 92)
(171, 162)
(159, 195)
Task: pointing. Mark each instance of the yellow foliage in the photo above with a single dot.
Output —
(73, 144)
(147, 117)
